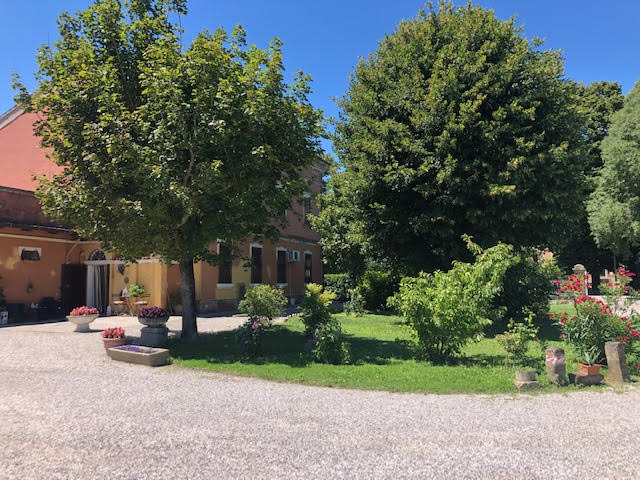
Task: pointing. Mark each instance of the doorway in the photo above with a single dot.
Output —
(73, 286)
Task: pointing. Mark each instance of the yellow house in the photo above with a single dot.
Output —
(41, 261)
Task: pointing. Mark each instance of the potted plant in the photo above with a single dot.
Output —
(515, 342)
(113, 337)
(153, 316)
(588, 363)
(82, 317)
(155, 333)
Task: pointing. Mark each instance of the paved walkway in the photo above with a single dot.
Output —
(69, 412)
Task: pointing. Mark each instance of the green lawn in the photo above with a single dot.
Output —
(382, 359)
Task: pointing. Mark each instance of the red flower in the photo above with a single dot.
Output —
(625, 339)
(562, 336)
(635, 334)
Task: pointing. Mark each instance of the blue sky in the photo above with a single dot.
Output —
(325, 38)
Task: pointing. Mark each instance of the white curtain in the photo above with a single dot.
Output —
(92, 280)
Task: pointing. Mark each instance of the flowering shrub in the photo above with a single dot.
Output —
(446, 310)
(263, 302)
(597, 322)
(84, 310)
(117, 332)
(152, 312)
(249, 336)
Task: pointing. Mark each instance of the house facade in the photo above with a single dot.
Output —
(42, 262)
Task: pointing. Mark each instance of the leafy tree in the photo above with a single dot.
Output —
(598, 101)
(456, 124)
(614, 206)
(165, 148)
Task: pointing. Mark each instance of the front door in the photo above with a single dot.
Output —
(74, 286)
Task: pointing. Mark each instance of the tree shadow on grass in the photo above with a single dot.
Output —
(285, 346)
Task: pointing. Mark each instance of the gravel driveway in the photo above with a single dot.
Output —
(67, 411)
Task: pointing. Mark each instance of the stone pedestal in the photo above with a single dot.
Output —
(584, 379)
(556, 365)
(618, 372)
(526, 381)
(154, 336)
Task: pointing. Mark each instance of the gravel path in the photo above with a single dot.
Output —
(68, 412)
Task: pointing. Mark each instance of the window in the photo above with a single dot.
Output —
(256, 264)
(224, 265)
(30, 254)
(306, 208)
(308, 262)
(282, 265)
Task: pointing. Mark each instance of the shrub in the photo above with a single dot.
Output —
(376, 286)
(340, 284)
(446, 310)
(327, 344)
(597, 322)
(263, 302)
(515, 340)
(249, 336)
(355, 306)
(527, 286)
(315, 307)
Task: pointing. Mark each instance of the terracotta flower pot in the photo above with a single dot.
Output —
(589, 369)
(113, 342)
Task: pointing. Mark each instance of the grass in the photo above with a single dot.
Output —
(382, 354)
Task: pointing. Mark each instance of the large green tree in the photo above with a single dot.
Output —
(166, 149)
(456, 124)
(598, 102)
(614, 206)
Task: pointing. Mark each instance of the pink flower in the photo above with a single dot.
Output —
(255, 325)
(562, 336)
(635, 334)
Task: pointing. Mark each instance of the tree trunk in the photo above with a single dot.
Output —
(188, 293)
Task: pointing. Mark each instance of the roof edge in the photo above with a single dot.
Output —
(10, 115)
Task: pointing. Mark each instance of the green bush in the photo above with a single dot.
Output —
(355, 305)
(376, 286)
(327, 344)
(340, 284)
(515, 340)
(446, 310)
(527, 286)
(315, 307)
(263, 303)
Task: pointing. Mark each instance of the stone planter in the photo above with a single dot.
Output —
(151, 357)
(154, 322)
(155, 334)
(113, 342)
(82, 321)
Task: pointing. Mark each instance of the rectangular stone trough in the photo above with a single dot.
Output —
(151, 357)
